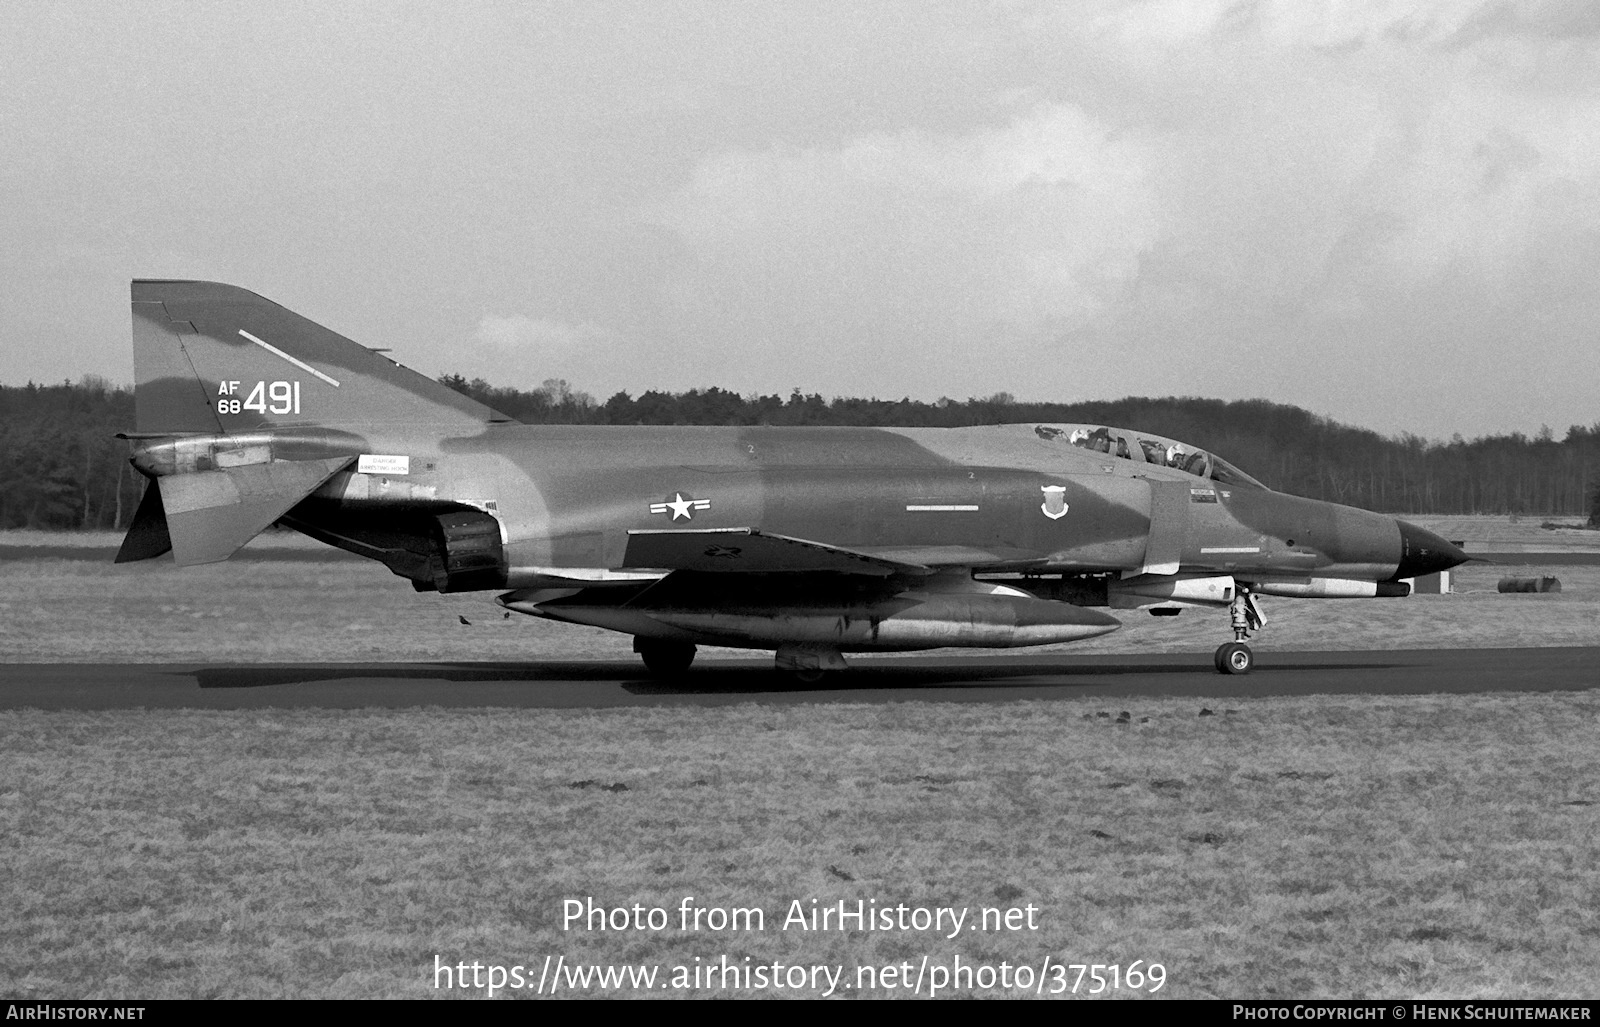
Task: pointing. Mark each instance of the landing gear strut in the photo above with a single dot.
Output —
(663, 656)
(1245, 615)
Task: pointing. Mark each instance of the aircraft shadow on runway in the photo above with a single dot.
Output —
(712, 679)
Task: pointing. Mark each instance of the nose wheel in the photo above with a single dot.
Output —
(1234, 658)
(1245, 615)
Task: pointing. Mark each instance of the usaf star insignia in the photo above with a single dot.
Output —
(681, 506)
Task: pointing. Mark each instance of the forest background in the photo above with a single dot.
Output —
(62, 466)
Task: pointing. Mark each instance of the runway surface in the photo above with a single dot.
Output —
(569, 685)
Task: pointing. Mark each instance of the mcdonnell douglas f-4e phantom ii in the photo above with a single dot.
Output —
(810, 541)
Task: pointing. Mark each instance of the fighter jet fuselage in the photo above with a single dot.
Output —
(810, 541)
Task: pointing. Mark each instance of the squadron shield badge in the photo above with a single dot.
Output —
(1055, 501)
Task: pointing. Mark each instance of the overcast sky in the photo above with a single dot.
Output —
(1385, 212)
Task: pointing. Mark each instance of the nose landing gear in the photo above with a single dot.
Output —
(1245, 615)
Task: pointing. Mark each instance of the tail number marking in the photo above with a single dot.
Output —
(264, 398)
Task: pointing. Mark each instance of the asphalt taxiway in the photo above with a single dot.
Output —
(600, 684)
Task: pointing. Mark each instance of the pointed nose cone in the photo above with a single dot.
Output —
(1423, 552)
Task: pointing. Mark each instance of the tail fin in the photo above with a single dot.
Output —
(215, 358)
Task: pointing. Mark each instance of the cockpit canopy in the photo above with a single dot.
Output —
(1143, 447)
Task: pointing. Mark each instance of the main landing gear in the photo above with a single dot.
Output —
(804, 664)
(664, 657)
(1245, 615)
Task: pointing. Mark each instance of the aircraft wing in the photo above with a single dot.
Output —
(752, 551)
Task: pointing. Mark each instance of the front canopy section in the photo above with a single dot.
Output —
(1146, 448)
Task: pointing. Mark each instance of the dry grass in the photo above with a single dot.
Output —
(1530, 533)
(1417, 846)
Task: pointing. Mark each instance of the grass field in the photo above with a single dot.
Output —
(1534, 533)
(1325, 846)
(1423, 846)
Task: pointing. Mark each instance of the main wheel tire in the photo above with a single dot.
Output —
(806, 675)
(664, 657)
(1234, 658)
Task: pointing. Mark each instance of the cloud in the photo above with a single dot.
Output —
(1230, 198)
(1284, 198)
(915, 238)
(539, 336)
(522, 351)
(1341, 24)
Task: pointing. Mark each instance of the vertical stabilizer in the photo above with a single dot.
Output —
(213, 358)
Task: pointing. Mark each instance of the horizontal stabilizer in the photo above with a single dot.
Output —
(147, 536)
(750, 551)
(210, 514)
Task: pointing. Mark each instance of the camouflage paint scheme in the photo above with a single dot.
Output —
(802, 539)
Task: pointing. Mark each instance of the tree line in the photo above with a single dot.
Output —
(61, 465)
